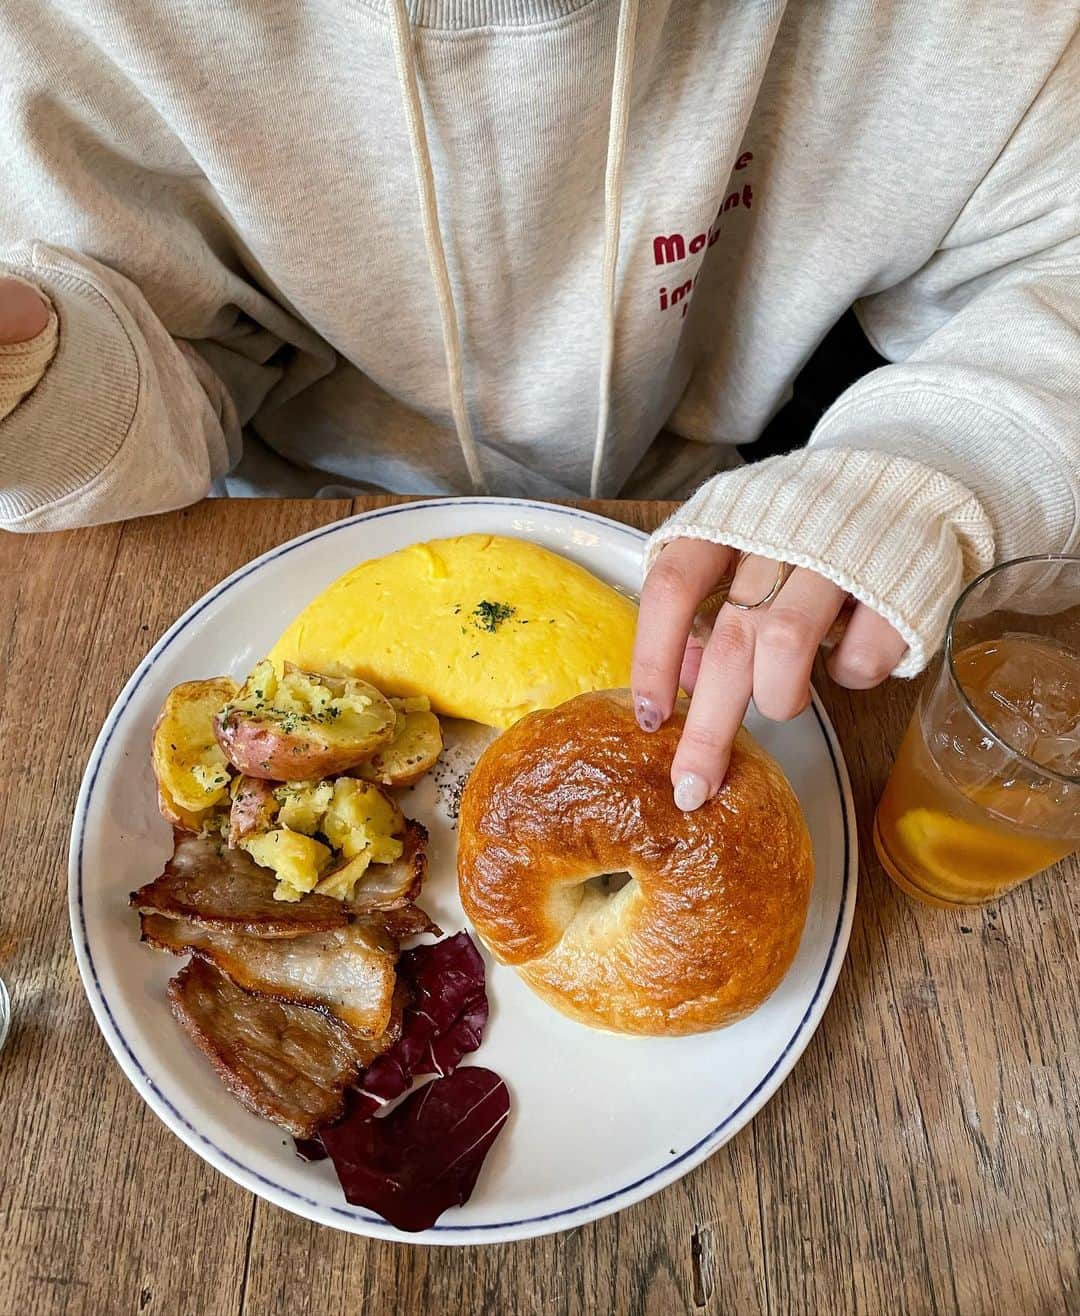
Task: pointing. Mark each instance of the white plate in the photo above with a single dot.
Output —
(598, 1121)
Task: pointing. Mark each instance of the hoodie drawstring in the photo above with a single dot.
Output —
(405, 64)
(613, 190)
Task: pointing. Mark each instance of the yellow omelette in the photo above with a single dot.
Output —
(488, 627)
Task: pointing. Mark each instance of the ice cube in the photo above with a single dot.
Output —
(1033, 701)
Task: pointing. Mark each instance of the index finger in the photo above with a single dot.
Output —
(684, 574)
(721, 697)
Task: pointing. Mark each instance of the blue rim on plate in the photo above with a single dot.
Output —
(157, 1100)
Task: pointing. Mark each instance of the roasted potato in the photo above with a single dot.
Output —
(187, 820)
(296, 859)
(360, 821)
(341, 882)
(299, 727)
(254, 808)
(416, 746)
(363, 817)
(366, 826)
(191, 770)
(303, 804)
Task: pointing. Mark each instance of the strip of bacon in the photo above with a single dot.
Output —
(286, 1063)
(226, 889)
(347, 972)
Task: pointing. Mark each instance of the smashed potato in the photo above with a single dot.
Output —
(367, 827)
(254, 808)
(303, 803)
(191, 770)
(363, 817)
(416, 746)
(297, 860)
(302, 727)
(341, 882)
(302, 820)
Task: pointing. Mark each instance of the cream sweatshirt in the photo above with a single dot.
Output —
(276, 236)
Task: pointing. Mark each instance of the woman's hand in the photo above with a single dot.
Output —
(766, 652)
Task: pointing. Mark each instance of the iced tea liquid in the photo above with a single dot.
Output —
(961, 819)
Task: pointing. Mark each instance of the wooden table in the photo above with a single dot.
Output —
(922, 1158)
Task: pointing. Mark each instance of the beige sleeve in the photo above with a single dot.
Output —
(23, 364)
(897, 535)
(125, 420)
(966, 449)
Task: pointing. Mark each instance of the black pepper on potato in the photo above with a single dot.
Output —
(298, 726)
(190, 769)
(254, 807)
(414, 749)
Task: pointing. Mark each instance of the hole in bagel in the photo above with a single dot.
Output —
(608, 883)
(591, 909)
(606, 899)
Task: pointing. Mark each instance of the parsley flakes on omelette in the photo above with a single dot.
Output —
(488, 627)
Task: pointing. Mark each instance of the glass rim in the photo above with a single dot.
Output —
(1068, 778)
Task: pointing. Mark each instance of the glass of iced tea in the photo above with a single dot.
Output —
(985, 791)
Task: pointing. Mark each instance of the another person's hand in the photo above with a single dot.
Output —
(24, 313)
(766, 652)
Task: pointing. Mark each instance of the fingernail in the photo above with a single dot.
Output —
(647, 713)
(691, 792)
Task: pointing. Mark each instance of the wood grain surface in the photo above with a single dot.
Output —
(922, 1158)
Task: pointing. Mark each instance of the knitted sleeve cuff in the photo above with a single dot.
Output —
(897, 535)
(23, 364)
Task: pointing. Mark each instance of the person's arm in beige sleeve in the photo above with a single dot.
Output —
(162, 346)
(127, 418)
(122, 420)
(964, 451)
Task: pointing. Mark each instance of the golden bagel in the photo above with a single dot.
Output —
(712, 916)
